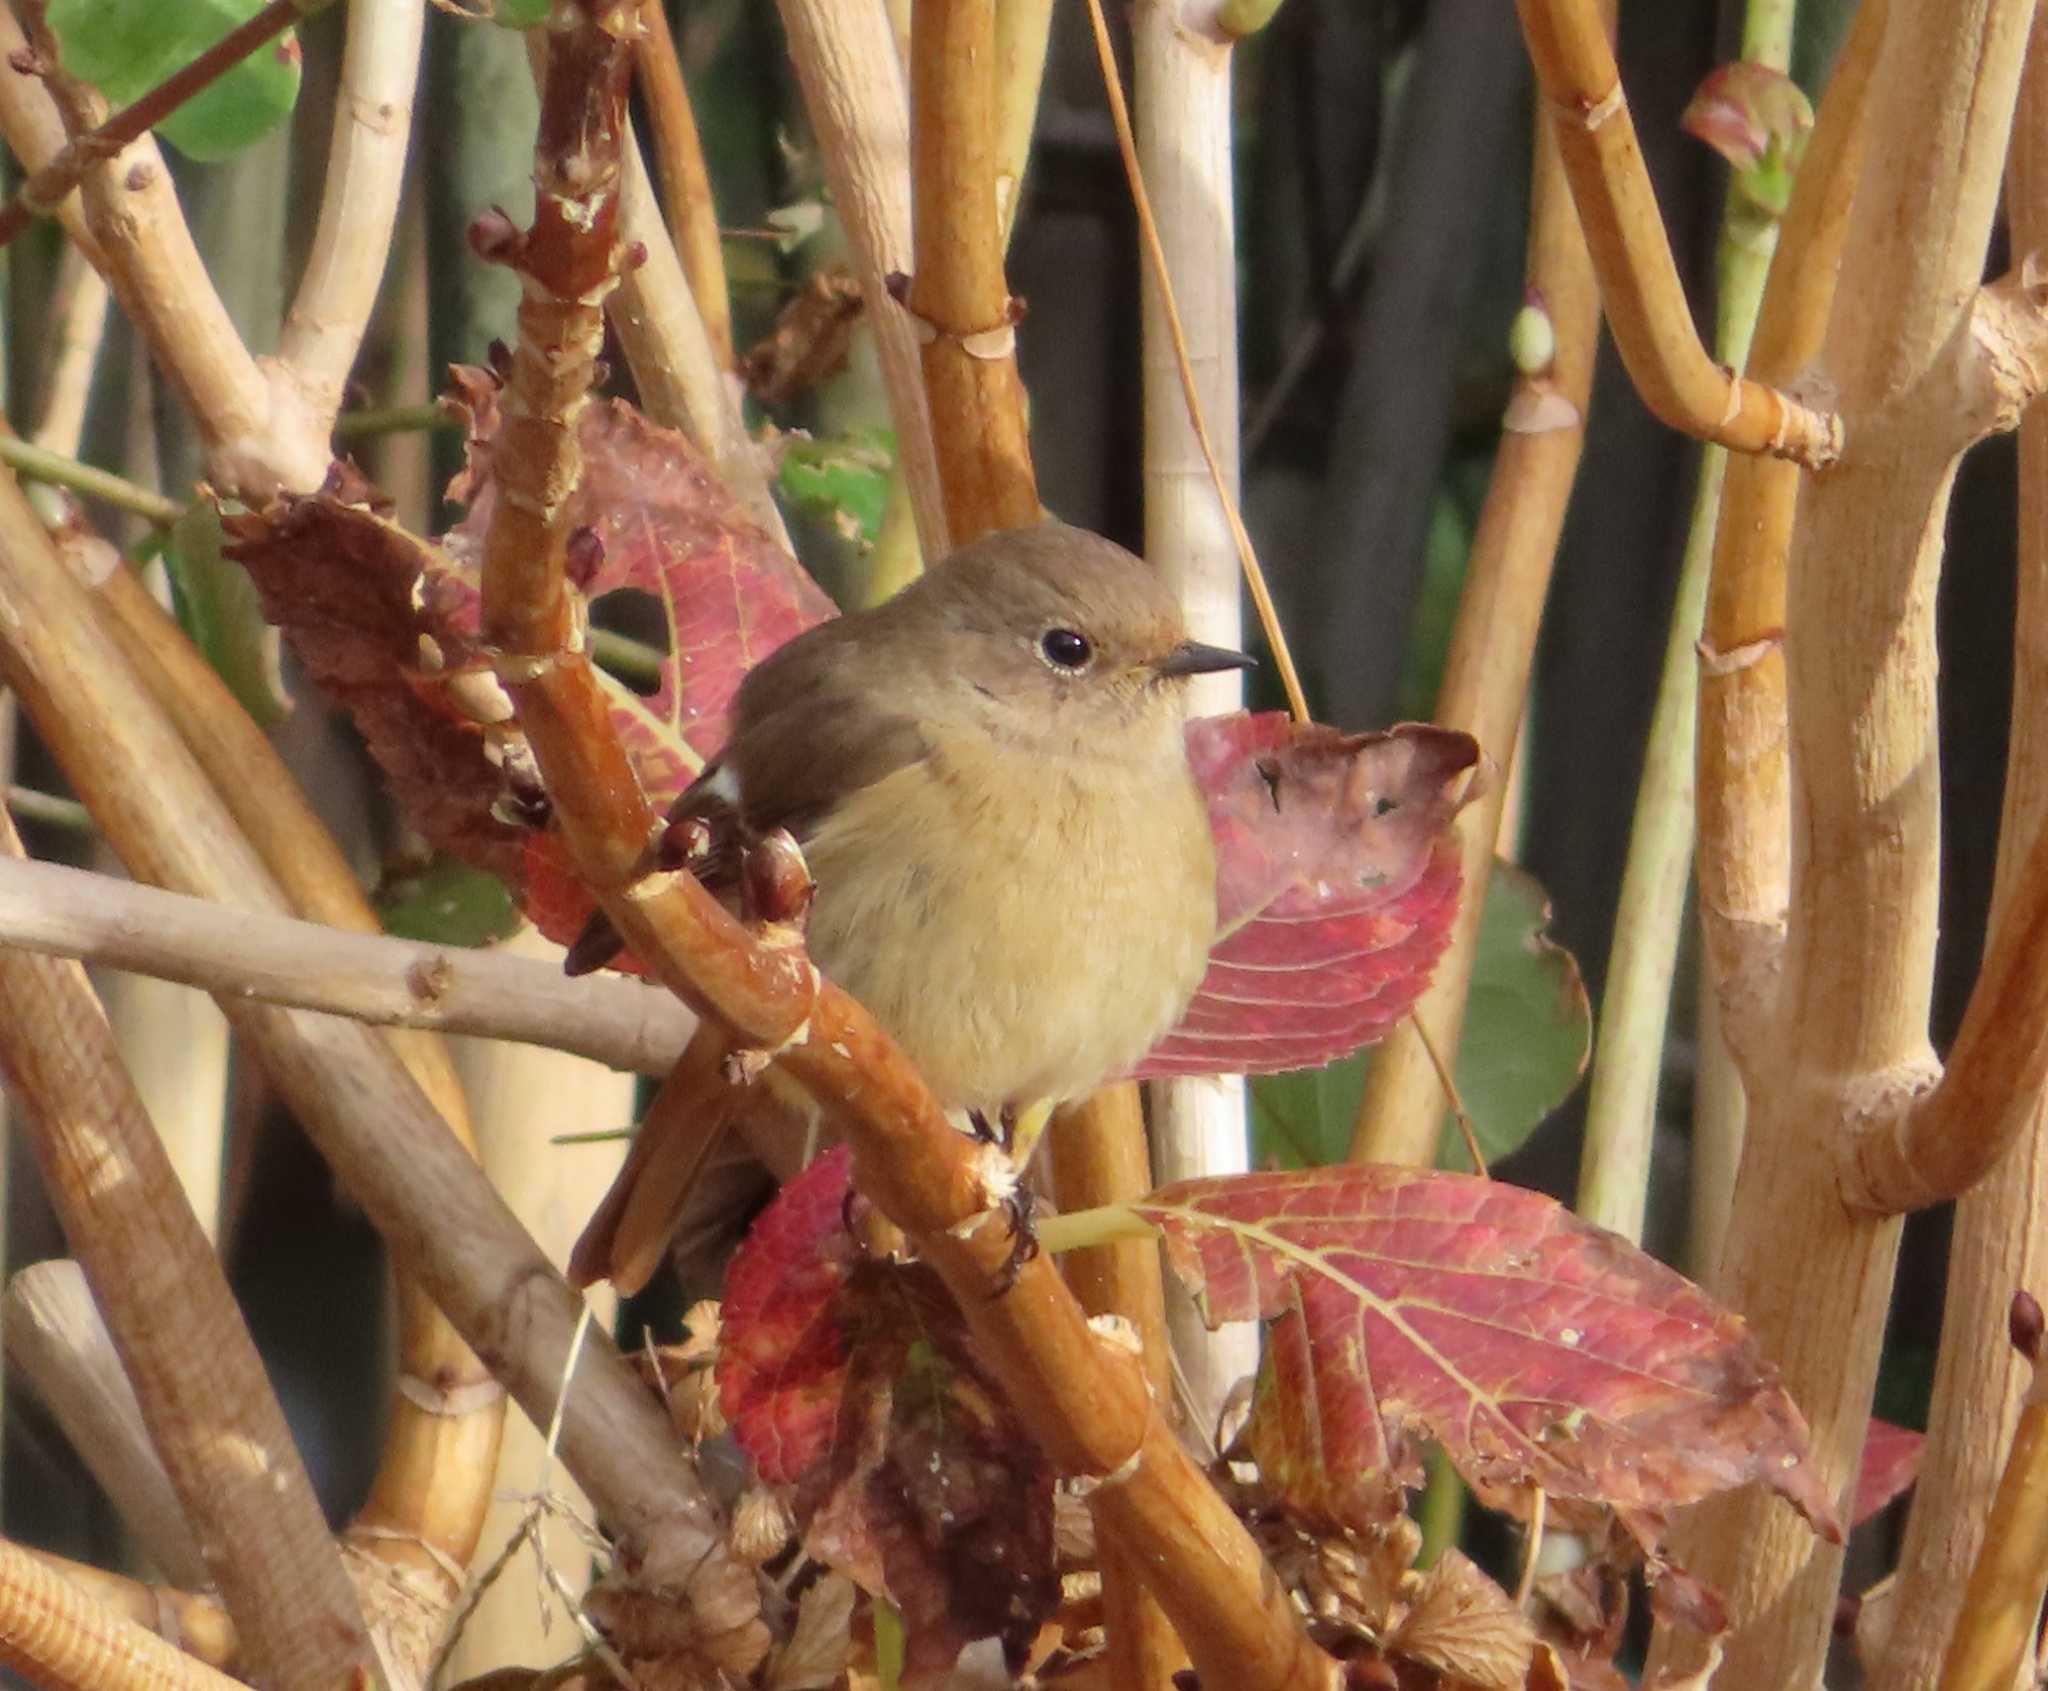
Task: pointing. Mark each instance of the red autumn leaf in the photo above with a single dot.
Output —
(661, 524)
(782, 1353)
(852, 1386)
(1537, 1349)
(1336, 881)
(1891, 1463)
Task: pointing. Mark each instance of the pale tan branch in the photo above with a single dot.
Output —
(56, 1338)
(685, 181)
(254, 443)
(1639, 284)
(388, 982)
(681, 382)
(61, 1638)
(323, 330)
(852, 78)
(81, 327)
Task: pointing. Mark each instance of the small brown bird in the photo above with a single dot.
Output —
(988, 778)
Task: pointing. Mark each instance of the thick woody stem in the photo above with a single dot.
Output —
(58, 1636)
(1084, 1400)
(1998, 1241)
(1639, 285)
(1745, 813)
(852, 79)
(957, 290)
(685, 182)
(116, 924)
(1486, 674)
(1848, 1048)
(211, 1414)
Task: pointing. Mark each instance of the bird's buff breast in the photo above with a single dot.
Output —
(1044, 927)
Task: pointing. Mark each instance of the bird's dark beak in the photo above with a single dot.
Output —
(1191, 657)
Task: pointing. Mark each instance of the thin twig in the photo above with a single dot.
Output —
(1155, 256)
(1449, 1082)
(39, 463)
(42, 192)
(372, 421)
(1639, 285)
(685, 182)
(1532, 1548)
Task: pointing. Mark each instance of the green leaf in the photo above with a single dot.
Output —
(447, 903)
(216, 604)
(842, 481)
(126, 47)
(1528, 1033)
(521, 14)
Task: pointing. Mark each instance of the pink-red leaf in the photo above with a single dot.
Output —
(1538, 1350)
(852, 1385)
(1336, 881)
(1891, 1463)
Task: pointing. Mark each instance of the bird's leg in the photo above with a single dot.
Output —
(1019, 1206)
(983, 1133)
(1007, 1126)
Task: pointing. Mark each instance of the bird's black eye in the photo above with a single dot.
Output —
(1064, 649)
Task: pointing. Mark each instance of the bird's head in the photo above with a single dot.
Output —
(1055, 635)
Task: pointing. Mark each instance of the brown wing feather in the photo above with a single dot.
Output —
(806, 734)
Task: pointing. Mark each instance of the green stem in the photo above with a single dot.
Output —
(39, 465)
(1621, 1106)
(34, 806)
(394, 419)
(629, 659)
(1103, 1225)
(1240, 18)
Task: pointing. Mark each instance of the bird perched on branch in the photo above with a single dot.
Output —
(988, 777)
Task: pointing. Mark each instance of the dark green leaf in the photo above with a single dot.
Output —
(216, 604)
(126, 47)
(448, 903)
